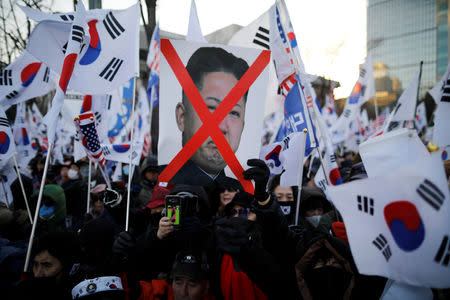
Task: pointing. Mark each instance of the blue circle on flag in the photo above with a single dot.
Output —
(121, 148)
(4, 142)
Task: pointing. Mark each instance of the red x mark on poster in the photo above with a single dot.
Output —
(210, 121)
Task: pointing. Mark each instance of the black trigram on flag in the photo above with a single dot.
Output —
(347, 113)
(332, 158)
(6, 77)
(109, 101)
(362, 73)
(262, 38)
(4, 122)
(11, 95)
(110, 71)
(106, 150)
(46, 74)
(393, 125)
(431, 194)
(77, 33)
(67, 17)
(113, 26)
(381, 243)
(365, 204)
(443, 254)
(446, 91)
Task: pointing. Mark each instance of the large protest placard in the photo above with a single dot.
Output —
(211, 110)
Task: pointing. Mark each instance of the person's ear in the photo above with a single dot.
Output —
(180, 113)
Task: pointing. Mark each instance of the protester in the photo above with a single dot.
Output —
(52, 213)
(149, 177)
(75, 190)
(54, 256)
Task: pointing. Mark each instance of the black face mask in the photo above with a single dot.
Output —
(155, 218)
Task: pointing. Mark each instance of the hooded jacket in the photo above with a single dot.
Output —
(150, 163)
(57, 221)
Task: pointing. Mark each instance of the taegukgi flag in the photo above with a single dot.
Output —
(109, 52)
(441, 95)
(286, 158)
(22, 138)
(7, 146)
(25, 78)
(398, 224)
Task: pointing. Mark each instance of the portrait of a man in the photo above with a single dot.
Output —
(215, 72)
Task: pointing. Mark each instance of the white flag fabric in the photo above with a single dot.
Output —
(109, 54)
(421, 117)
(7, 146)
(406, 104)
(69, 63)
(194, 33)
(441, 94)
(24, 79)
(7, 177)
(363, 90)
(398, 224)
(286, 158)
(391, 151)
(22, 138)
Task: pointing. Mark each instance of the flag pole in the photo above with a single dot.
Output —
(297, 206)
(36, 212)
(89, 187)
(130, 166)
(23, 189)
(108, 183)
(418, 90)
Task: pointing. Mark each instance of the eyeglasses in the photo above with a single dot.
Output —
(240, 212)
(188, 259)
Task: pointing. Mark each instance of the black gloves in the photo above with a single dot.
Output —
(124, 246)
(260, 174)
(232, 234)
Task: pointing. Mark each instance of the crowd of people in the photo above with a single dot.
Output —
(219, 243)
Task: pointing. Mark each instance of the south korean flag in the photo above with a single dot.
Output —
(110, 43)
(24, 79)
(398, 224)
(7, 146)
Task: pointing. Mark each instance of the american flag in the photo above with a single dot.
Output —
(87, 133)
(378, 123)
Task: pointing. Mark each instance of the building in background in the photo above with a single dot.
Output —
(400, 34)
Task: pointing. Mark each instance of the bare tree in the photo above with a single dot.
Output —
(15, 27)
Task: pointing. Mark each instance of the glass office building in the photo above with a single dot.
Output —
(401, 33)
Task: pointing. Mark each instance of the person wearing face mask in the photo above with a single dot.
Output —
(314, 211)
(257, 256)
(286, 197)
(149, 177)
(52, 212)
(54, 256)
(76, 196)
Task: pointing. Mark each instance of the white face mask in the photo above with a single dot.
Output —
(314, 220)
(72, 174)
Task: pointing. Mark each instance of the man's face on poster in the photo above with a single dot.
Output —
(214, 87)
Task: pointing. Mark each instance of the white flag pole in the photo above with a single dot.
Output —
(23, 189)
(297, 208)
(89, 187)
(38, 204)
(108, 183)
(130, 166)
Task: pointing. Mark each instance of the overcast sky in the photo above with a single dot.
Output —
(331, 34)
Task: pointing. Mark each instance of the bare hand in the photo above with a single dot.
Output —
(165, 227)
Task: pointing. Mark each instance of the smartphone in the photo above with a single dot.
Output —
(173, 209)
(180, 206)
